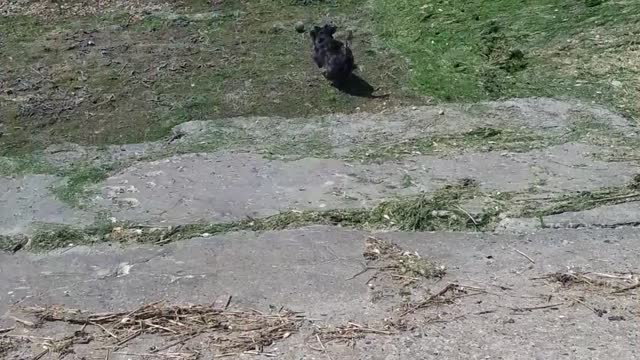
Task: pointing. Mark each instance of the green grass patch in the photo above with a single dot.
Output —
(438, 212)
(26, 164)
(586, 200)
(113, 78)
(476, 50)
(79, 181)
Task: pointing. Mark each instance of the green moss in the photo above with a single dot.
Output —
(78, 182)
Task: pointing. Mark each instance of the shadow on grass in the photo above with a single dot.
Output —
(357, 86)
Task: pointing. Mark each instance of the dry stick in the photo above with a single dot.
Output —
(129, 338)
(467, 213)
(324, 349)
(431, 298)
(525, 255)
(585, 305)
(536, 307)
(366, 268)
(225, 355)
(28, 337)
(40, 354)
(24, 322)
(632, 287)
(159, 355)
(369, 330)
(2, 331)
(105, 330)
(178, 342)
(620, 276)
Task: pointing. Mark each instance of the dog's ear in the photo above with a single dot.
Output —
(329, 29)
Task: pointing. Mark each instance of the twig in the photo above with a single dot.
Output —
(123, 67)
(178, 342)
(174, 355)
(324, 349)
(24, 322)
(2, 331)
(467, 213)
(129, 338)
(610, 276)
(599, 313)
(535, 307)
(369, 330)
(525, 255)
(28, 337)
(632, 287)
(366, 268)
(41, 354)
(105, 330)
(225, 355)
(485, 312)
(430, 299)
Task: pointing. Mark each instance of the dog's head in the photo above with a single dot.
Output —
(323, 35)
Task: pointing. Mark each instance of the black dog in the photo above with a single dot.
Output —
(332, 56)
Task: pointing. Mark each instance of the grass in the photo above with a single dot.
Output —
(111, 78)
(476, 50)
(78, 182)
(480, 139)
(586, 200)
(438, 212)
(441, 211)
(79, 178)
(24, 164)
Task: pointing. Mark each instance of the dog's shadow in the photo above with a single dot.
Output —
(357, 86)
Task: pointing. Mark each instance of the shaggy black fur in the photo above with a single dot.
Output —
(332, 56)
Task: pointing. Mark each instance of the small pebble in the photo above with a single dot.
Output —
(299, 26)
(441, 112)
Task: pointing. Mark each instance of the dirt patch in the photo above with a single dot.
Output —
(75, 8)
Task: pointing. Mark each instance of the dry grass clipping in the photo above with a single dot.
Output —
(403, 266)
(7, 345)
(347, 334)
(617, 283)
(230, 331)
(447, 295)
